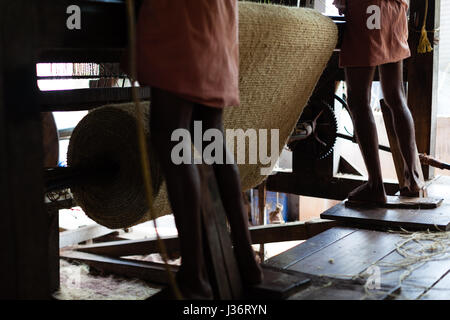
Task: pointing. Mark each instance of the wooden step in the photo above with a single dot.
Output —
(437, 219)
(399, 202)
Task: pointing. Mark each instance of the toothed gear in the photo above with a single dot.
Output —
(316, 131)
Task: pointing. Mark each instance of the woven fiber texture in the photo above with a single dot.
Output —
(283, 52)
(109, 134)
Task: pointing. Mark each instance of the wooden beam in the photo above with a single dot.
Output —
(307, 3)
(222, 264)
(262, 203)
(74, 237)
(260, 234)
(53, 248)
(262, 193)
(290, 231)
(423, 79)
(60, 178)
(293, 203)
(130, 247)
(24, 226)
(86, 99)
(148, 271)
(103, 25)
(80, 55)
(307, 184)
(6, 220)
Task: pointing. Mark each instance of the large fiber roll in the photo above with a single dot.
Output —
(283, 52)
(108, 136)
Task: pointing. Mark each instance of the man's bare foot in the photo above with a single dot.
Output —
(368, 193)
(413, 185)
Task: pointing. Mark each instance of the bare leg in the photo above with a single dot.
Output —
(359, 84)
(229, 183)
(169, 112)
(391, 76)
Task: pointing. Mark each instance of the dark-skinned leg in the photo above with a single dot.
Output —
(229, 183)
(391, 77)
(359, 84)
(168, 113)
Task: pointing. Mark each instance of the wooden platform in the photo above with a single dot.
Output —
(399, 202)
(409, 219)
(395, 218)
(336, 259)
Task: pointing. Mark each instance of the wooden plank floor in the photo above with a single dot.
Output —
(337, 258)
(441, 291)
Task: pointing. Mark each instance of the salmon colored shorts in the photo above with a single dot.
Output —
(190, 48)
(363, 47)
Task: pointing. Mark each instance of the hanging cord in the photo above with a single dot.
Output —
(424, 42)
(143, 144)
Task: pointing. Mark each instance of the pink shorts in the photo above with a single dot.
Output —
(190, 48)
(363, 47)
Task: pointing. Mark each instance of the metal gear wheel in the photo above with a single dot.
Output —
(316, 131)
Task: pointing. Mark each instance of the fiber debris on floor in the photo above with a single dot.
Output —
(356, 264)
(77, 283)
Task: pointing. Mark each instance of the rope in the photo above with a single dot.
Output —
(415, 249)
(143, 143)
(424, 42)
